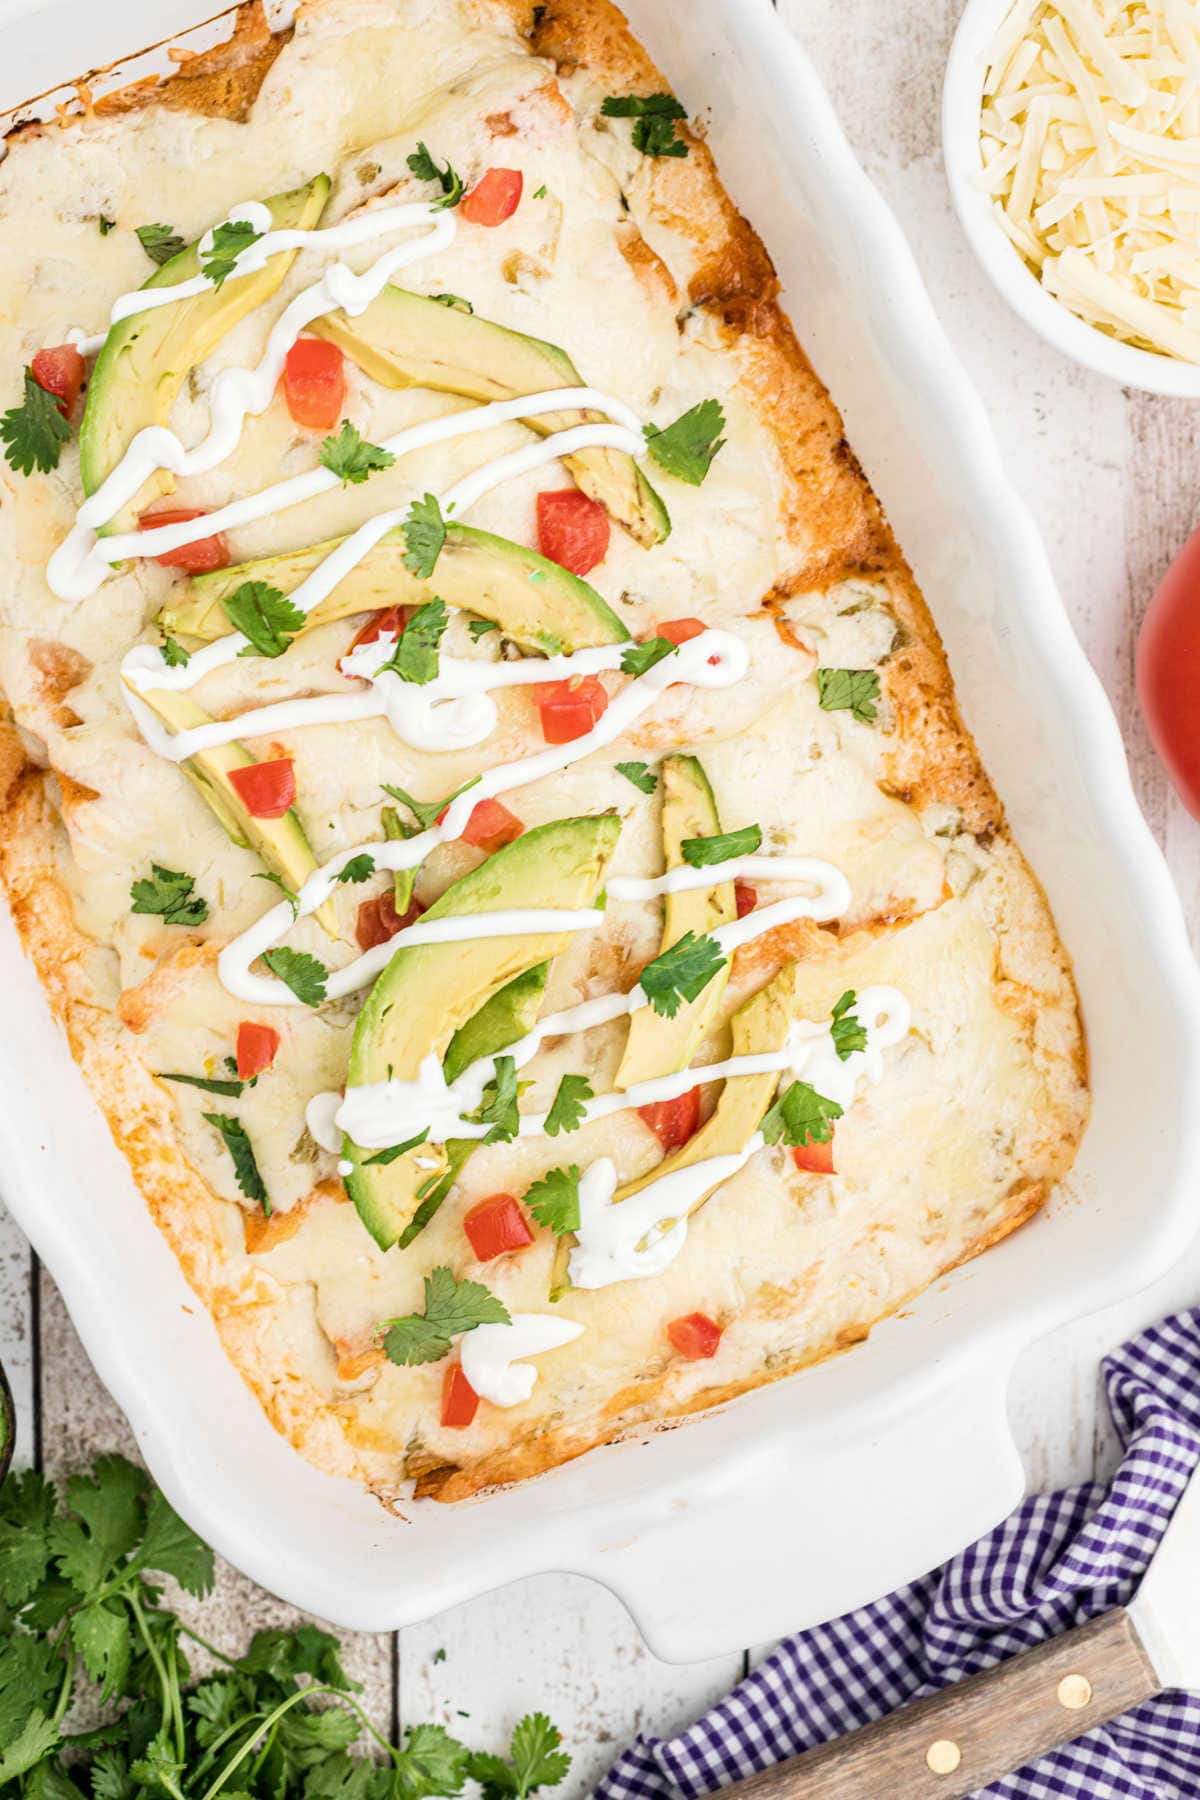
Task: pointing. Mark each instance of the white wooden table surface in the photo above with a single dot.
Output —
(1112, 478)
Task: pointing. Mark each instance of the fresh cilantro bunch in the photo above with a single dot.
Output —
(81, 1610)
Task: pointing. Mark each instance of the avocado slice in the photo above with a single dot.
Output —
(147, 358)
(759, 1028)
(500, 1021)
(279, 843)
(429, 991)
(536, 602)
(655, 1045)
(407, 340)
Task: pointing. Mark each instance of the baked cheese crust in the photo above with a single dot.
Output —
(642, 269)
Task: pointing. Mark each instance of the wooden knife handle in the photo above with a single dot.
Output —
(969, 1735)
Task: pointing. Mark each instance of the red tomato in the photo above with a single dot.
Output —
(389, 619)
(314, 383)
(460, 1402)
(495, 1226)
(679, 631)
(814, 1158)
(493, 198)
(265, 789)
(378, 919)
(695, 1336)
(745, 898)
(572, 530)
(490, 826)
(198, 557)
(569, 709)
(60, 371)
(256, 1047)
(673, 1122)
(1168, 672)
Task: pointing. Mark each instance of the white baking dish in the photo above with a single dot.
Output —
(825, 1490)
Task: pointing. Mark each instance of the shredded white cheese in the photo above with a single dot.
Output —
(1090, 137)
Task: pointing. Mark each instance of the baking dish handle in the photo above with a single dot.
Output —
(858, 1519)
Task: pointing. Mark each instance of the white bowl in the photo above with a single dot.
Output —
(962, 92)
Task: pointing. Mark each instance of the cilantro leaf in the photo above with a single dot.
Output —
(264, 615)
(846, 1031)
(499, 1109)
(424, 534)
(100, 1633)
(686, 448)
(37, 1739)
(682, 971)
(171, 1547)
(637, 658)
(849, 690)
(351, 456)
(229, 1090)
(245, 1168)
(479, 628)
(301, 972)
(425, 812)
(174, 654)
(451, 1307)
(26, 1510)
(389, 1155)
(567, 1111)
(107, 1522)
(431, 1763)
(359, 868)
(554, 1200)
(654, 133)
(415, 657)
(534, 1761)
(228, 241)
(168, 893)
(34, 432)
(425, 169)
(702, 852)
(641, 775)
(160, 242)
(800, 1116)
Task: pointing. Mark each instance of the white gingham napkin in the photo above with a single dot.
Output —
(1058, 1560)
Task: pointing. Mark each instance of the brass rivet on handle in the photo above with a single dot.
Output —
(943, 1757)
(1074, 1692)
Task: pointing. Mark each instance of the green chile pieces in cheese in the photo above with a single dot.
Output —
(147, 357)
(407, 340)
(536, 602)
(429, 991)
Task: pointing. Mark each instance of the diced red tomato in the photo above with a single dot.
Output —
(378, 919)
(679, 631)
(814, 1158)
(314, 383)
(745, 898)
(266, 789)
(496, 1226)
(388, 620)
(256, 1047)
(1168, 672)
(198, 557)
(673, 1122)
(60, 371)
(460, 1402)
(695, 1336)
(493, 198)
(573, 530)
(569, 709)
(490, 825)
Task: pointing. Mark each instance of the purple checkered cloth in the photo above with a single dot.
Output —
(1058, 1560)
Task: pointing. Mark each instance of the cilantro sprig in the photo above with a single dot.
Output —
(451, 1307)
(425, 168)
(245, 1164)
(263, 615)
(426, 812)
(640, 774)
(800, 1116)
(703, 852)
(34, 432)
(846, 1030)
(359, 868)
(160, 242)
(681, 972)
(304, 974)
(499, 1108)
(348, 454)
(638, 658)
(424, 534)
(218, 260)
(81, 1571)
(567, 1109)
(654, 132)
(849, 690)
(554, 1200)
(686, 448)
(168, 894)
(415, 657)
